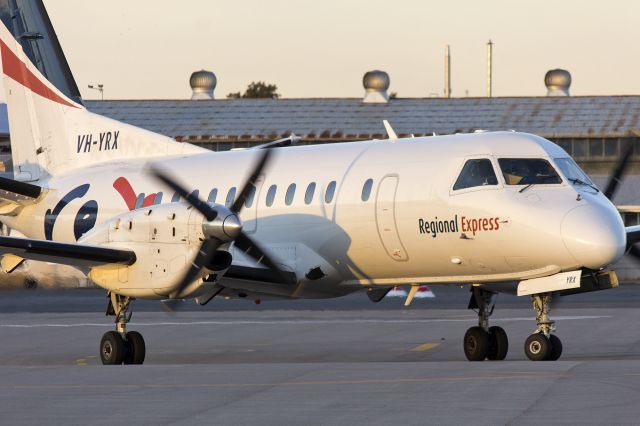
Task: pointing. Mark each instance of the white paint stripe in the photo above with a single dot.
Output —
(319, 321)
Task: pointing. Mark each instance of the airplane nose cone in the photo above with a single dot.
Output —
(594, 235)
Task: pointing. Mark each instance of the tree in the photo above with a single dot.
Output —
(257, 90)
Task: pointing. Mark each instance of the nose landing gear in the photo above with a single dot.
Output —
(542, 345)
(120, 346)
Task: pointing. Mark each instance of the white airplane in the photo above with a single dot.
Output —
(502, 212)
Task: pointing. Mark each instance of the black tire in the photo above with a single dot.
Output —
(112, 348)
(476, 344)
(136, 349)
(556, 348)
(537, 347)
(498, 344)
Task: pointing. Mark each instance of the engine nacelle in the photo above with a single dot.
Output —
(165, 239)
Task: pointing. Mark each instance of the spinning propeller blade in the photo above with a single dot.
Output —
(207, 211)
(619, 171)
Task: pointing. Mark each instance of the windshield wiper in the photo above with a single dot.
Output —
(524, 188)
(540, 179)
(581, 182)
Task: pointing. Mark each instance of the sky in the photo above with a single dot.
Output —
(147, 49)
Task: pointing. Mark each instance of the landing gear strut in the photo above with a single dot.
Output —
(120, 346)
(542, 345)
(484, 342)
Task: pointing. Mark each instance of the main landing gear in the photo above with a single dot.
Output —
(120, 346)
(484, 342)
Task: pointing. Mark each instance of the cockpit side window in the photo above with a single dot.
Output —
(572, 172)
(528, 171)
(477, 172)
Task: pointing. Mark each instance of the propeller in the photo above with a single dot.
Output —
(222, 225)
(612, 187)
(619, 171)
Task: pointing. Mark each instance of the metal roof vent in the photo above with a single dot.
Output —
(376, 83)
(558, 82)
(202, 83)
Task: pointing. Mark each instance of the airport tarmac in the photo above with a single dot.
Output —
(340, 361)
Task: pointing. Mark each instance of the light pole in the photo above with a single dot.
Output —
(99, 88)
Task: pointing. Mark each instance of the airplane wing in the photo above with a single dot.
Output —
(81, 255)
(633, 235)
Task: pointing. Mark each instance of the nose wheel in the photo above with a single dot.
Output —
(119, 346)
(542, 345)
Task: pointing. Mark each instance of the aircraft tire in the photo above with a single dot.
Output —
(112, 348)
(556, 348)
(135, 348)
(498, 344)
(476, 344)
(537, 347)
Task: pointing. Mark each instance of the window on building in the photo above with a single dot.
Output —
(596, 148)
(212, 195)
(476, 172)
(580, 148)
(250, 196)
(291, 192)
(331, 189)
(527, 171)
(565, 144)
(366, 189)
(231, 195)
(271, 195)
(611, 147)
(630, 218)
(308, 195)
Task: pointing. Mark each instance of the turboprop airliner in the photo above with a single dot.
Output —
(148, 217)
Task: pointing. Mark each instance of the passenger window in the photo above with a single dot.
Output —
(212, 195)
(308, 195)
(528, 171)
(476, 173)
(331, 189)
(250, 196)
(231, 195)
(366, 189)
(271, 195)
(291, 191)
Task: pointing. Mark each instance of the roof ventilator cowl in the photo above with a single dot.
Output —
(376, 83)
(558, 82)
(203, 84)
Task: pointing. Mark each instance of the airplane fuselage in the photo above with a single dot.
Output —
(369, 213)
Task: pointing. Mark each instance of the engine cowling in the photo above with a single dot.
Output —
(165, 239)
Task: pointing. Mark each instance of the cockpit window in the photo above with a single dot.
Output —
(528, 171)
(572, 172)
(477, 172)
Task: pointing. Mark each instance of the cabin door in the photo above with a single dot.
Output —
(386, 218)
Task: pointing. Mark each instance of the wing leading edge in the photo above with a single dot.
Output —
(65, 253)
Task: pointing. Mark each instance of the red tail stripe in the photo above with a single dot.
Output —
(15, 69)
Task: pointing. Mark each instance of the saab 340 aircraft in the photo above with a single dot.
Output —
(501, 212)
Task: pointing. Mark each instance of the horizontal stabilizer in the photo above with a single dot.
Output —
(64, 253)
(14, 190)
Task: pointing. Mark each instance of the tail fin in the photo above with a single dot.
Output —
(51, 134)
